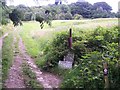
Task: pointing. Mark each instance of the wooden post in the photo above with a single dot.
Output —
(70, 38)
(70, 32)
(105, 71)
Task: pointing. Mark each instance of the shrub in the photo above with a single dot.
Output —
(59, 48)
(89, 71)
(88, 74)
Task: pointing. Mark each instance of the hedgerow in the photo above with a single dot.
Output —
(90, 51)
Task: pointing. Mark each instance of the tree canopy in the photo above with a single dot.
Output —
(102, 5)
(15, 17)
(50, 12)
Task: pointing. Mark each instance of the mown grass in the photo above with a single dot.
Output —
(30, 78)
(7, 55)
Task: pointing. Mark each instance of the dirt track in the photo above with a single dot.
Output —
(15, 77)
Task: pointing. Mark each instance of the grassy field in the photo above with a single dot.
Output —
(35, 38)
(83, 24)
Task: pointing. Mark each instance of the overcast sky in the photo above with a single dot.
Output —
(112, 3)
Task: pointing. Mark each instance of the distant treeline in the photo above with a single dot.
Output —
(76, 10)
(73, 11)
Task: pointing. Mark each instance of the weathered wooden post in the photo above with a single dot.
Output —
(70, 39)
(105, 71)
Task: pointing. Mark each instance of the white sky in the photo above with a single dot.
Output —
(112, 3)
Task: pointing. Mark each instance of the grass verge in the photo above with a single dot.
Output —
(1, 33)
(7, 55)
(5, 29)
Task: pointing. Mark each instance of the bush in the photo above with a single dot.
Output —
(56, 50)
(88, 74)
(59, 47)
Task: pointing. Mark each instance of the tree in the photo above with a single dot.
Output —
(117, 14)
(15, 17)
(71, 11)
(64, 8)
(56, 1)
(45, 18)
(102, 5)
(25, 11)
(82, 8)
(102, 10)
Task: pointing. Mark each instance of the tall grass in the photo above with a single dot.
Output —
(5, 29)
(7, 55)
(35, 38)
